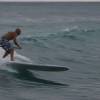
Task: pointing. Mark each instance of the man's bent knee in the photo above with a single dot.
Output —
(10, 50)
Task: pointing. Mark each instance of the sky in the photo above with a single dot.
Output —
(52, 0)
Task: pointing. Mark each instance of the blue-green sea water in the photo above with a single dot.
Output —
(62, 34)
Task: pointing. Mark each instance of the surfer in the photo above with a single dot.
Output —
(7, 46)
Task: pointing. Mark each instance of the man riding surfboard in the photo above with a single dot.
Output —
(7, 46)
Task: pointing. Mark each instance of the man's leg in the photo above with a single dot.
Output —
(8, 47)
(6, 53)
(12, 54)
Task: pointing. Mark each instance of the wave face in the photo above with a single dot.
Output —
(70, 43)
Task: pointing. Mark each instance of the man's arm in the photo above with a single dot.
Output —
(16, 43)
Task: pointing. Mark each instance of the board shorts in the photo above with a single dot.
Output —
(5, 44)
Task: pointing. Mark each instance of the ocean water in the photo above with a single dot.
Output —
(62, 34)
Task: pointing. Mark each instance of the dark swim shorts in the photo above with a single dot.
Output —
(5, 44)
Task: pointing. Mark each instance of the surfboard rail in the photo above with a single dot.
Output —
(36, 67)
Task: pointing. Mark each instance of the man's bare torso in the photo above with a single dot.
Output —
(10, 36)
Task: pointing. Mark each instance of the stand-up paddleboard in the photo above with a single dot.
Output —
(20, 66)
(24, 63)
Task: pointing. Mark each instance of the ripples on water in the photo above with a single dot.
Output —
(61, 34)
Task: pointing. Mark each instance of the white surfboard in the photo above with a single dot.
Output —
(22, 62)
(17, 57)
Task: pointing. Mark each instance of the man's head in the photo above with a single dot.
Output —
(18, 31)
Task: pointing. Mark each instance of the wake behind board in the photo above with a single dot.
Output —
(17, 65)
